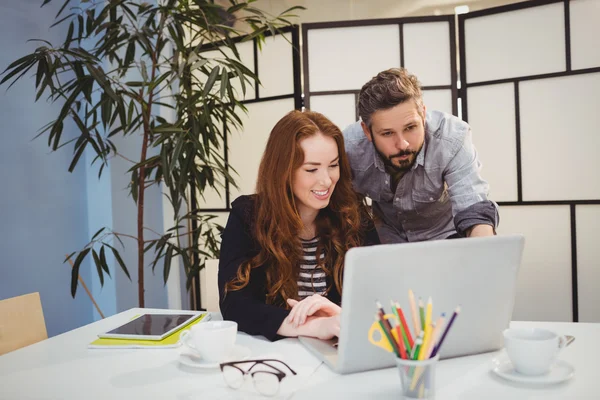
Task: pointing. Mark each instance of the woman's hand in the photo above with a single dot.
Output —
(313, 306)
(318, 327)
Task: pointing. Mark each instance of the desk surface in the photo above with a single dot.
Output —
(63, 367)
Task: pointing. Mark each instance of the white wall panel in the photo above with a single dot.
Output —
(560, 138)
(517, 43)
(346, 58)
(544, 282)
(491, 111)
(427, 52)
(440, 100)
(276, 67)
(339, 108)
(246, 148)
(585, 31)
(588, 262)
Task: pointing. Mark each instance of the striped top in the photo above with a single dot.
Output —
(311, 278)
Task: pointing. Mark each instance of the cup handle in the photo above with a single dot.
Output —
(563, 342)
(382, 342)
(184, 338)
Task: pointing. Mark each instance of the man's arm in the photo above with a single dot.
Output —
(474, 214)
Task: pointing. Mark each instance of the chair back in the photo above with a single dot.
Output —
(21, 322)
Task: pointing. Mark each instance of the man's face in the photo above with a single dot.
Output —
(397, 134)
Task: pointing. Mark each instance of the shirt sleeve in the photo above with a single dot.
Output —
(467, 188)
(246, 306)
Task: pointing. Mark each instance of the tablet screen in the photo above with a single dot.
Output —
(156, 325)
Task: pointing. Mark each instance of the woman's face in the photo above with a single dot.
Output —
(313, 182)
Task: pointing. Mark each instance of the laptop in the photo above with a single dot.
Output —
(479, 274)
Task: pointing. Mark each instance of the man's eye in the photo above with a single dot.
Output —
(386, 133)
(410, 128)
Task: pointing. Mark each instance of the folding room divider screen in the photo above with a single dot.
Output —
(530, 84)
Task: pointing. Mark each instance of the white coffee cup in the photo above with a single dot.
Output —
(532, 350)
(213, 340)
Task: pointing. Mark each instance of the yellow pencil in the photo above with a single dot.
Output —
(426, 338)
(429, 311)
(414, 312)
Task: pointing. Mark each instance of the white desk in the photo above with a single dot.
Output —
(63, 367)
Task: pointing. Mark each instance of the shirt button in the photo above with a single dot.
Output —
(431, 199)
(386, 182)
(397, 198)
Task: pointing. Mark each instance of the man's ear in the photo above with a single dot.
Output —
(365, 129)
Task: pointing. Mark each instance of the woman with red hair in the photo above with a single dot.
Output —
(282, 251)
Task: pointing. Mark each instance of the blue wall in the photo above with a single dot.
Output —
(46, 212)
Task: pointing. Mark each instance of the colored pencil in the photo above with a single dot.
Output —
(418, 342)
(436, 333)
(402, 329)
(428, 312)
(388, 327)
(422, 314)
(413, 311)
(401, 344)
(405, 325)
(426, 340)
(387, 334)
(441, 342)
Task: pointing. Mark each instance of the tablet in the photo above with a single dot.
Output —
(151, 326)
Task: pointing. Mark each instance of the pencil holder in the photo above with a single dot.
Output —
(417, 377)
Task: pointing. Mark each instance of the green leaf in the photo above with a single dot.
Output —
(224, 83)
(103, 261)
(98, 267)
(97, 233)
(77, 156)
(75, 270)
(211, 81)
(167, 267)
(120, 261)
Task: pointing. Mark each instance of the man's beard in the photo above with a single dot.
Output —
(405, 165)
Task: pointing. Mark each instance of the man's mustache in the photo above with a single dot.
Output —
(403, 153)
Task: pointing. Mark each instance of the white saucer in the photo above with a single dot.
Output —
(559, 372)
(193, 360)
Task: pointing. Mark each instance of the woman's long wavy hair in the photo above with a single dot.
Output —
(278, 224)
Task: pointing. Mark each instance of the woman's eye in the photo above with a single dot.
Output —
(311, 170)
(334, 165)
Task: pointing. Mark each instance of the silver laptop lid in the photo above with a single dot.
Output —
(479, 274)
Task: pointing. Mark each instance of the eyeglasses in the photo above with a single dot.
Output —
(265, 376)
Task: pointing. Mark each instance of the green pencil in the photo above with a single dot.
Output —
(422, 313)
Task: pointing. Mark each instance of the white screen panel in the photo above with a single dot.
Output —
(213, 198)
(427, 52)
(492, 118)
(544, 283)
(246, 148)
(276, 67)
(560, 138)
(440, 100)
(347, 58)
(524, 42)
(246, 51)
(588, 262)
(585, 31)
(339, 108)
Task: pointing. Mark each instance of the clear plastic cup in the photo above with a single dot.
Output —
(417, 378)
